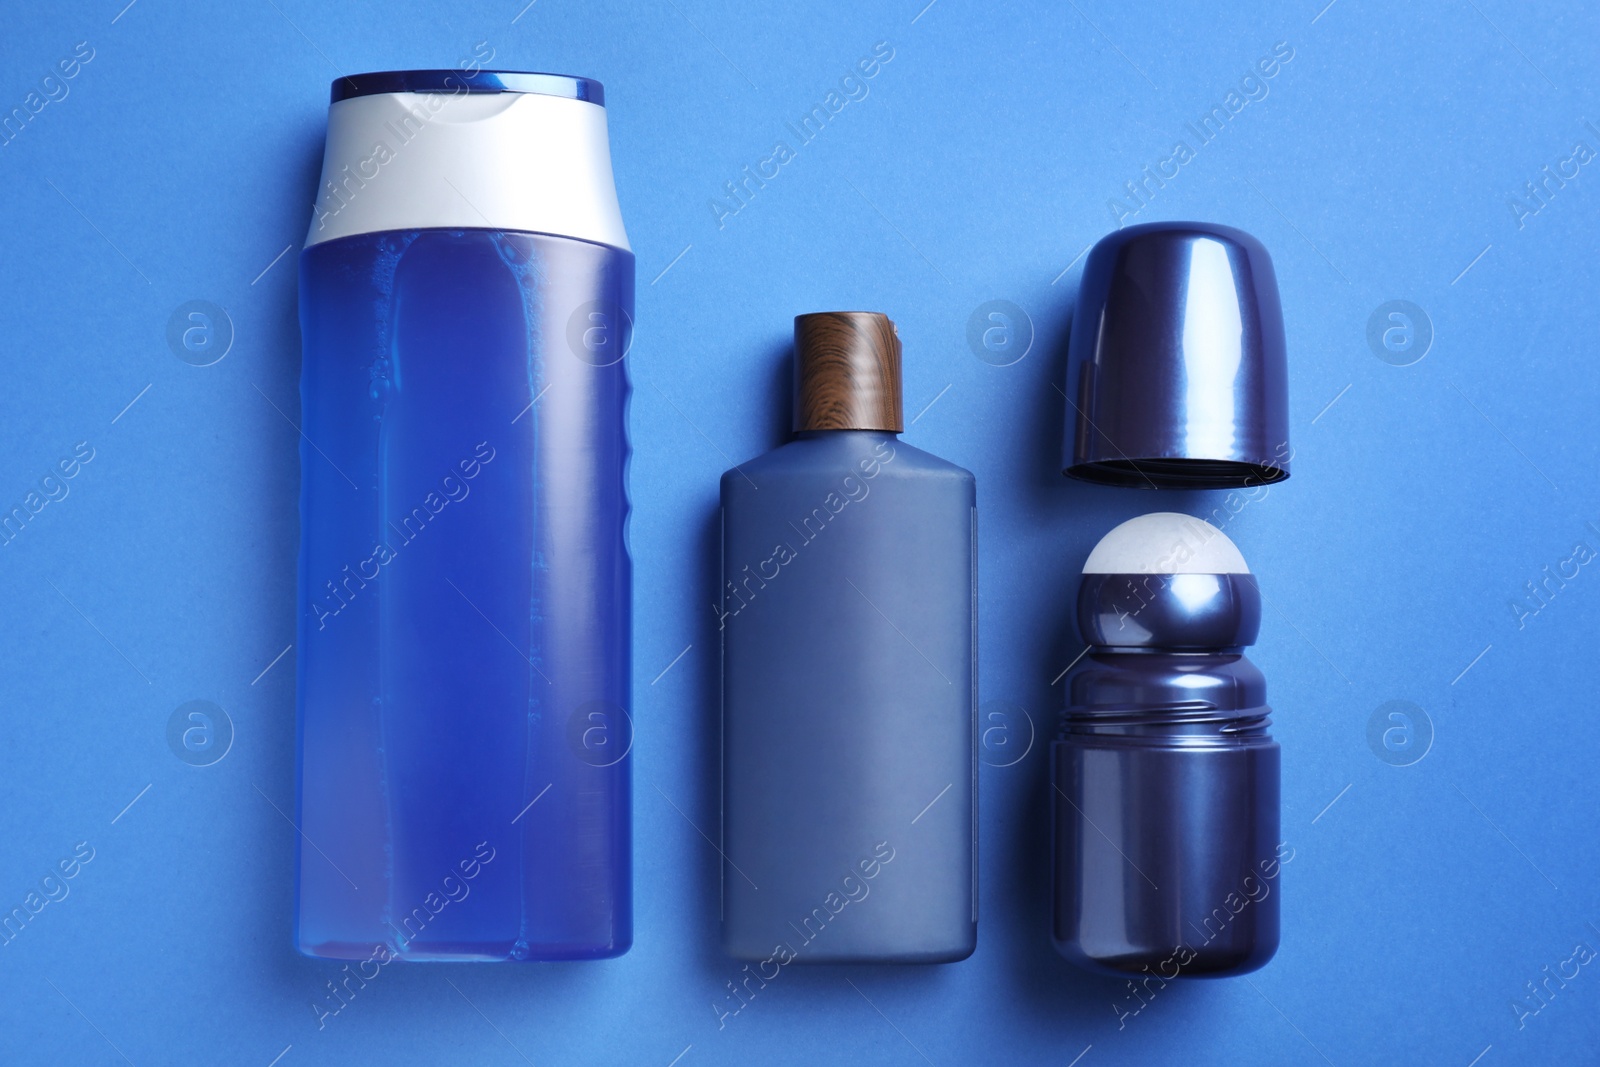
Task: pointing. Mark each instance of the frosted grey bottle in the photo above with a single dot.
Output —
(848, 622)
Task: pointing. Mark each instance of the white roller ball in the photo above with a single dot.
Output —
(1165, 542)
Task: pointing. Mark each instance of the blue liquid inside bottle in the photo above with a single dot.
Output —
(465, 585)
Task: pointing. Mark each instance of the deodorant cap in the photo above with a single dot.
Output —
(1176, 371)
(1168, 582)
(452, 149)
(846, 372)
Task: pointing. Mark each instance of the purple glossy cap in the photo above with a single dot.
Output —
(1177, 375)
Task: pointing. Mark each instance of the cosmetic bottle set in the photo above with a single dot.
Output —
(464, 740)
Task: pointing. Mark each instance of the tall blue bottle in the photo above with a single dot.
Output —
(464, 632)
(849, 623)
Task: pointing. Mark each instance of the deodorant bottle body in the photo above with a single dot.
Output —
(464, 631)
(1166, 792)
(848, 623)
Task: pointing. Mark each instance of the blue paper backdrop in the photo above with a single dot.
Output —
(1387, 158)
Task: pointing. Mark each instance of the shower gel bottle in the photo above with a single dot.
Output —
(466, 295)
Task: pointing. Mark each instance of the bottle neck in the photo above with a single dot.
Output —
(860, 435)
(1180, 726)
(1194, 697)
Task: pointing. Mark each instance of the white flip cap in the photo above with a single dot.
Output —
(467, 160)
(1165, 542)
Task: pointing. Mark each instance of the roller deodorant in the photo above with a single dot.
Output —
(1165, 777)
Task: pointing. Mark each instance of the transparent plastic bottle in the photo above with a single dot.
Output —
(465, 584)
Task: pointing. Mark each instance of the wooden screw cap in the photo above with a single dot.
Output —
(846, 372)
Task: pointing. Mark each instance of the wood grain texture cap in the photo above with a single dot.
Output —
(846, 372)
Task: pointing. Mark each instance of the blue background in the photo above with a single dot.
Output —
(1381, 165)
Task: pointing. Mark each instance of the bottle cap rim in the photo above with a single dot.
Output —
(541, 83)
